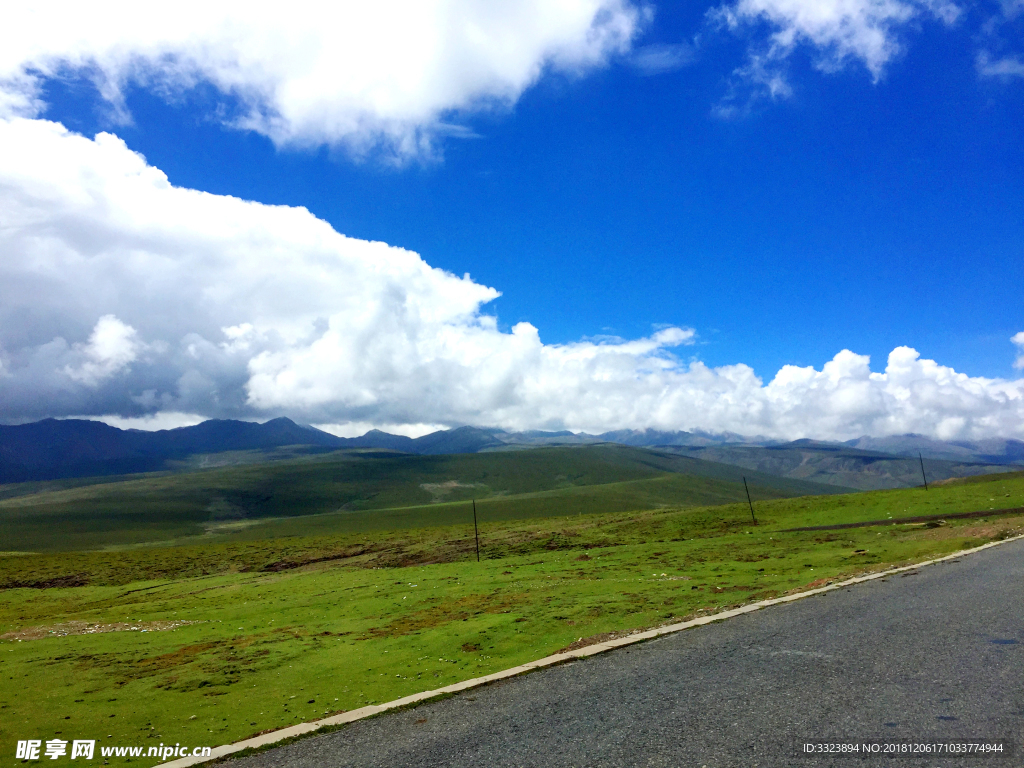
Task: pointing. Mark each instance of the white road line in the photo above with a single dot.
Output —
(547, 661)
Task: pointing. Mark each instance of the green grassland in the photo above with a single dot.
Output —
(357, 487)
(288, 628)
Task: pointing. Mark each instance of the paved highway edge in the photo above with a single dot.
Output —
(362, 713)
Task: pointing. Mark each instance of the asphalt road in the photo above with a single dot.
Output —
(938, 655)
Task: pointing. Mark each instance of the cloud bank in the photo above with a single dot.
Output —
(389, 75)
(122, 294)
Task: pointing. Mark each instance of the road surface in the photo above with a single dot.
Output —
(933, 656)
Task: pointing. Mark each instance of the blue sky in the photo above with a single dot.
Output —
(874, 202)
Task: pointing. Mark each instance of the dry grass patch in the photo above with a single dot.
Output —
(67, 628)
(986, 529)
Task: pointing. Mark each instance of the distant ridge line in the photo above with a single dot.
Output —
(54, 449)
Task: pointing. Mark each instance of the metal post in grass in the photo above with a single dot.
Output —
(923, 476)
(476, 532)
(749, 502)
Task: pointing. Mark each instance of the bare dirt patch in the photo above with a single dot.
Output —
(445, 612)
(345, 554)
(67, 628)
(440, 491)
(604, 637)
(57, 582)
(994, 529)
(731, 588)
(816, 584)
(1015, 511)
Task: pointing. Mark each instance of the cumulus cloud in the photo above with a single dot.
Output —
(111, 347)
(122, 294)
(837, 32)
(387, 74)
(912, 395)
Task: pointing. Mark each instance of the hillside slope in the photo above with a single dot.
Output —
(840, 465)
(196, 503)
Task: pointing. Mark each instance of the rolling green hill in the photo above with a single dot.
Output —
(346, 491)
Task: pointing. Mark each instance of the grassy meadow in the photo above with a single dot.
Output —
(208, 643)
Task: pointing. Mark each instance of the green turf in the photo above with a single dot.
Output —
(288, 629)
(371, 492)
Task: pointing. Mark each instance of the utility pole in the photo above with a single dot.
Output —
(476, 532)
(923, 476)
(749, 502)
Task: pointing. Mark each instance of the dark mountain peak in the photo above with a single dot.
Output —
(810, 443)
(62, 425)
(471, 430)
(650, 437)
(56, 448)
(375, 438)
(281, 421)
(459, 440)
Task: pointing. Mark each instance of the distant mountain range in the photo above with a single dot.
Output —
(55, 449)
(994, 450)
(839, 464)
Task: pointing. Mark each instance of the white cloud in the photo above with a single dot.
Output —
(836, 31)
(198, 304)
(1018, 339)
(659, 58)
(360, 428)
(386, 74)
(149, 422)
(1012, 8)
(913, 395)
(1008, 66)
(111, 347)
(1000, 32)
